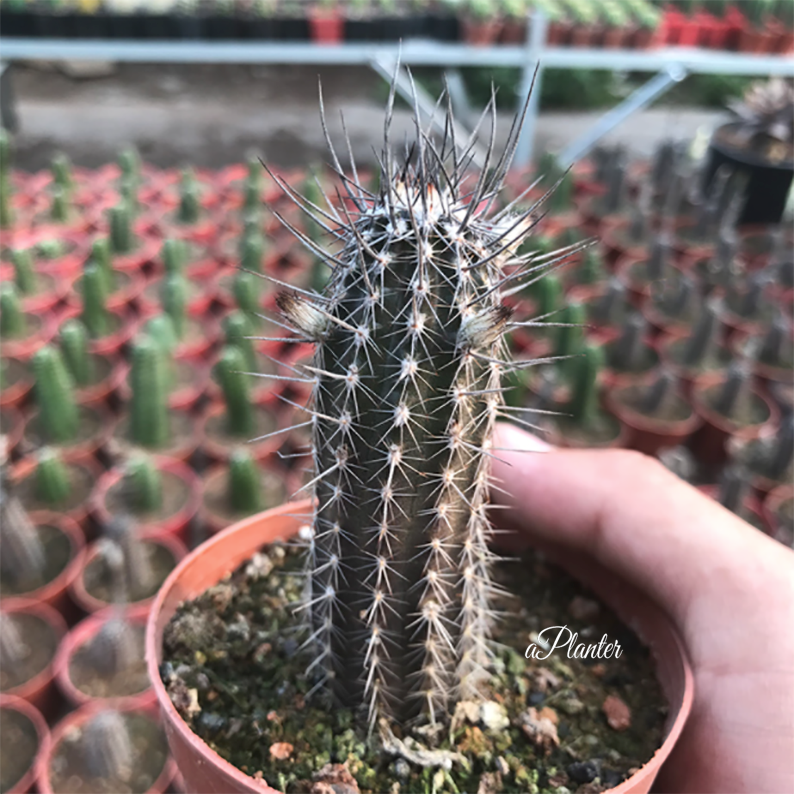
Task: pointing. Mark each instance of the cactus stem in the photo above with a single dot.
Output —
(704, 337)
(52, 479)
(150, 420)
(107, 747)
(244, 484)
(74, 348)
(143, 485)
(95, 316)
(233, 379)
(629, 350)
(13, 324)
(736, 384)
(115, 647)
(14, 652)
(138, 571)
(734, 485)
(22, 558)
(58, 412)
(24, 275)
(657, 394)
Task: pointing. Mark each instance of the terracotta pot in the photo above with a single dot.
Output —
(327, 26)
(175, 525)
(206, 772)
(687, 376)
(480, 32)
(142, 259)
(107, 391)
(11, 703)
(89, 604)
(117, 341)
(39, 690)
(646, 433)
(709, 444)
(24, 349)
(75, 720)
(766, 374)
(26, 469)
(83, 633)
(55, 593)
(514, 31)
(183, 445)
(770, 512)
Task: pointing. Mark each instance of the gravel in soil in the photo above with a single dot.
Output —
(234, 669)
(68, 773)
(18, 746)
(120, 683)
(175, 493)
(97, 580)
(57, 553)
(40, 641)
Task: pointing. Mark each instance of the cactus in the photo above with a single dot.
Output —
(189, 198)
(122, 238)
(61, 169)
(22, 558)
(612, 306)
(128, 193)
(734, 487)
(143, 485)
(252, 199)
(407, 389)
(678, 298)
(244, 484)
(6, 214)
(548, 295)
(561, 199)
(614, 198)
(13, 324)
(245, 288)
(111, 556)
(230, 373)
(129, 161)
(74, 349)
(107, 747)
(313, 194)
(584, 406)
(173, 298)
(237, 332)
(60, 208)
(102, 257)
(679, 461)
(138, 572)
(161, 329)
(735, 388)
(93, 286)
(150, 420)
(115, 647)
(658, 394)
(781, 452)
(14, 652)
(59, 417)
(175, 255)
(591, 270)
(629, 353)
(659, 258)
(776, 347)
(24, 276)
(52, 479)
(703, 342)
(252, 250)
(570, 337)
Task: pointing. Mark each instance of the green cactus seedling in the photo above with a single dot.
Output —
(591, 271)
(116, 647)
(24, 275)
(245, 288)
(584, 406)
(59, 417)
(173, 298)
(52, 479)
(237, 332)
(252, 250)
(95, 315)
(60, 208)
(122, 238)
(74, 348)
(61, 168)
(161, 329)
(107, 747)
(244, 484)
(143, 486)
(13, 324)
(22, 557)
(569, 339)
(230, 373)
(174, 255)
(102, 257)
(189, 198)
(129, 161)
(150, 421)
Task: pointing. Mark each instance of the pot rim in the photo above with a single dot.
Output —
(577, 565)
(43, 735)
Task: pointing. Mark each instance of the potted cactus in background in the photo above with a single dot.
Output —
(398, 600)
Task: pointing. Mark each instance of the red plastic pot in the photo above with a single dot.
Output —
(24, 349)
(115, 343)
(9, 702)
(176, 525)
(90, 604)
(480, 32)
(645, 433)
(673, 23)
(16, 395)
(514, 31)
(183, 445)
(83, 633)
(206, 772)
(55, 593)
(766, 374)
(76, 720)
(40, 690)
(613, 238)
(709, 444)
(327, 26)
(107, 391)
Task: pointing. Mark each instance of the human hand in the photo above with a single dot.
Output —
(728, 588)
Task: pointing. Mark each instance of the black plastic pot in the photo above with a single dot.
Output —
(767, 186)
(20, 23)
(359, 30)
(187, 26)
(444, 27)
(54, 25)
(91, 26)
(292, 28)
(253, 28)
(219, 27)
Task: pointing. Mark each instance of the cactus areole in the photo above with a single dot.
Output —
(406, 375)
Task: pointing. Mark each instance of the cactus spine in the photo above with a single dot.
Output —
(12, 318)
(52, 479)
(107, 747)
(150, 422)
(24, 276)
(244, 484)
(59, 416)
(143, 485)
(407, 373)
(231, 375)
(93, 286)
(74, 348)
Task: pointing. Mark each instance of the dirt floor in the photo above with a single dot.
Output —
(211, 115)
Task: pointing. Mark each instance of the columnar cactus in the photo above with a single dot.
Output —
(60, 205)
(407, 388)
(107, 747)
(150, 422)
(189, 198)
(143, 486)
(52, 479)
(6, 214)
(12, 318)
(245, 289)
(231, 374)
(584, 406)
(122, 238)
(253, 185)
(237, 332)
(74, 348)
(24, 275)
(93, 286)
(137, 572)
(22, 558)
(59, 416)
(129, 162)
(244, 484)
(174, 254)
(61, 168)
(102, 257)
(252, 249)
(173, 298)
(115, 648)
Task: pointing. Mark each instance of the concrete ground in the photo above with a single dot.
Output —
(211, 115)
